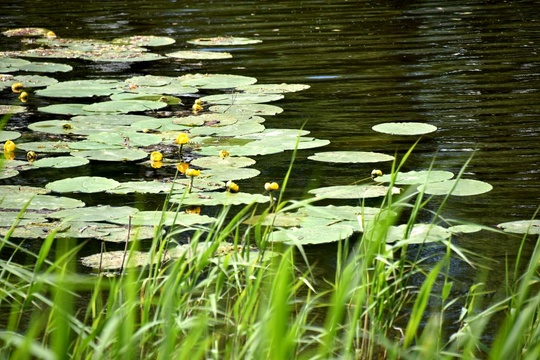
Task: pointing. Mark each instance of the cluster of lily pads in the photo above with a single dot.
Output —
(209, 142)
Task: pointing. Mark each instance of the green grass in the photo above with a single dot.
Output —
(380, 303)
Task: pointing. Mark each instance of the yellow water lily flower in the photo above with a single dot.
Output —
(224, 153)
(9, 155)
(23, 97)
(197, 106)
(17, 87)
(31, 156)
(376, 173)
(9, 146)
(273, 186)
(182, 139)
(182, 167)
(193, 209)
(50, 35)
(156, 156)
(156, 164)
(193, 172)
(232, 187)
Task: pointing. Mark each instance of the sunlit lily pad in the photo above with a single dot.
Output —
(65, 109)
(464, 229)
(112, 154)
(199, 55)
(83, 184)
(228, 162)
(420, 234)
(224, 41)
(531, 227)
(311, 235)
(168, 218)
(27, 31)
(247, 109)
(126, 138)
(169, 100)
(31, 81)
(350, 157)
(113, 260)
(6, 173)
(224, 173)
(158, 124)
(404, 128)
(86, 145)
(219, 198)
(142, 40)
(240, 128)
(22, 190)
(9, 218)
(125, 106)
(8, 64)
(81, 88)
(46, 67)
(416, 177)
(146, 187)
(461, 187)
(60, 162)
(273, 88)
(9, 135)
(18, 199)
(352, 191)
(94, 213)
(58, 127)
(110, 119)
(11, 109)
(216, 81)
(252, 148)
(241, 98)
(210, 120)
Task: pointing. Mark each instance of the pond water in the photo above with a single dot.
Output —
(471, 68)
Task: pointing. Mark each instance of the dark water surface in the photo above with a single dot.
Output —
(469, 67)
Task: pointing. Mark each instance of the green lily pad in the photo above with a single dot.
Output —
(9, 135)
(241, 98)
(169, 100)
(94, 213)
(350, 157)
(461, 187)
(210, 120)
(112, 154)
(273, 88)
(420, 234)
(83, 184)
(353, 191)
(250, 149)
(216, 81)
(224, 41)
(8, 64)
(155, 187)
(149, 80)
(46, 67)
(161, 125)
(311, 235)
(282, 219)
(247, 109)
(7, 173)
(531, 227)
(240, 128)
(125, 106)
(416, 177)
(169, 218)
(464, 229)
(9, 218)
(81, 88)
(27, 191)
(109, 120)
(17, 200)
(142, 40)
(199, 55)
(11, 109)
(27, 31)
(219, 198)
(126, 54)
(58, 127)
(404, 128)
(86, 145)
(228, 162)
(60, 162)
(33, 81)
(113, 260)
(65, 109)
(231, 173)
(125, 138)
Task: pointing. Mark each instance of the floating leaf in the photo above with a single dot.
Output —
(46, 67)
(224, 41)
(224, 173)
(241, 98)
(167, 218)
(416, 177)
(22, 190)
(461, 187)
(350, 157)
(11, 109)
(253, 148)
(125, 106)
(419, 234)
(33, 81)
(110, 119)
(9, 135)
(112, 260)
(228, 162)
(240, 128)
(141, 40)
(59, 127)
(169, 100)
(17, 200)
(273, 88)
(311, 235)
(352, 191)
(216, 81)
(154, 187)
(81, 88)
(27, 31)
(11, 65)
(219, 198)
(60, 162)
(247, 109)
(112, 154)
(84, 184)
(464, 229)
(9, 218)
(125, 138)
(531, 227)
(404, 128)
(94, 213)
(199, 55)
(65, 109)
(7, 173)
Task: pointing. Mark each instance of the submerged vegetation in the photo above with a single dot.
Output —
(238, 282)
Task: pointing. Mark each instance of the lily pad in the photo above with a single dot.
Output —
(65, 109)
(83, 184)
(110, 119)
(350, 157)
(247, 109)
(58, 127)
(168, 218)
(531, 227)
(199, 55)
(125, 138)
(9, 135)
(8, 64)
(311, 235)
(125, 106)
(11, 109)
(9, 218)
(94, 213)
(7, 173)
(22, 190)
(404, 128)
(27, 31)
(112, 154)
(353, 191)
(464, 229)
(416, 177)
(240, 128)
(224, 41)
(60, 162)
(46, 67)
(113, 260)
(420, 234)
(241, 98)
(216, 81)
(17, 200)
(142, 40)
(461, 187)
(252, 148)
(219, 198)
(210, 120)
(81, 88)
(224, 173)
(169, 100)
(32, 81)
(273, 88)
(228, 162)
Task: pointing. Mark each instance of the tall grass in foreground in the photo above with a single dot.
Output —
(380, 303)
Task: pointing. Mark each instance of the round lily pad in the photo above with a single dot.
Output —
(60, 162)
(247, 109)
(464, 229)
(8, 64)
(33, 81)
(168, 218)
(65, 109)
(531, 227)
(125, 106)
(240, 128)
(94, 213)
(352, 191)
(83, 184)
(219, 198)
(224, 41)
(9, 135)
(142, 40)
(81, 88)
(11, 109)
(146, 187)
(6, 173)
(420, 234)
(27, 31)
(59, 127)
(241, 98)
(404, 128)
(273, 88)
(216, 81)
(119, 154)
(224, 173)
(9, 218)
(311, 235)
(199, 55)
(18, 199)
(46, 67)
(461, 187)
(228, 162)
(416, 177)
(113, 260)
(350, 157)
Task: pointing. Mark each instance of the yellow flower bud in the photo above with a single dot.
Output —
(182, 139)
(23, 97)
(9, 155)
(197, 106)
(193, 172)
(156, 164)
(223, 154)
(156, 156)
(376, 173)
(193, 209)
(271, 186)
(51, 35)
(232, 187)
(16, 87)
(182, 167)
(9, 146)
(31, 156)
